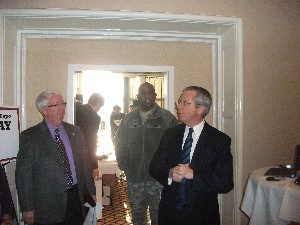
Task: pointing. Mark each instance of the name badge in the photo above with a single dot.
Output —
(154, 126)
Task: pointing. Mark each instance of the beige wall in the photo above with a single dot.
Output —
(48, 59)
(271, 66)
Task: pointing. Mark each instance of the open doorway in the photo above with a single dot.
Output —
(117, 88)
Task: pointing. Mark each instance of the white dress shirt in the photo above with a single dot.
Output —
(195, 135)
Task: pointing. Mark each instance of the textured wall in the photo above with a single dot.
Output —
(48, 59)
(271, 66)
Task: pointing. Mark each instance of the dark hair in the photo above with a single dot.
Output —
(144, 84)
(96, 98)
(203, 98)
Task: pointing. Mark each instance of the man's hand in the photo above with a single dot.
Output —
(186, 171)
(28, 217)
(176, 174)
(95, 173)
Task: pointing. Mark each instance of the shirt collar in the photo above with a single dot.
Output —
(197, 129)
(52, 128)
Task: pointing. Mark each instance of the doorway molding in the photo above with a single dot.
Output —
(225, 34)
(167, 70)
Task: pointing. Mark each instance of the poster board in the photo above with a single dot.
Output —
(9, 132)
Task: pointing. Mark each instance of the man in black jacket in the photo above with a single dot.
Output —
(89, 120)
(207, 172)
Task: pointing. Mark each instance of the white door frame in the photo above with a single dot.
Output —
(167, 70)
(225, 34)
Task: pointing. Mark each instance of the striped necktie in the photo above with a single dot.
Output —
(184, 158)
(62, 151)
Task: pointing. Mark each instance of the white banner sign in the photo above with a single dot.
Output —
(9, 133)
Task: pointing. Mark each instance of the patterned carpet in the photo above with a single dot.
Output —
(119, 211)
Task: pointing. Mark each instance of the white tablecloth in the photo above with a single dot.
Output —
(108, 167)
(271, 202)
(98, 184)
(104, 167)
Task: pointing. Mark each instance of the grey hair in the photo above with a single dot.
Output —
(203, 98)
(43, 99)
(96, 98)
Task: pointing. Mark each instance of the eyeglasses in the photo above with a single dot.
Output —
(64, 104)
(184, 103)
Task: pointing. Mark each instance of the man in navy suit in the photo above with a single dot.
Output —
(208, 172)
(42, 176)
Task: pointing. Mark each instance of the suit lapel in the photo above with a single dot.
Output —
(179, 141)
(48, 141)
(202, 141)
(71, 132)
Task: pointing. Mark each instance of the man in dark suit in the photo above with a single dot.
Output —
(50, 188)
(88, 119)
(208, 171)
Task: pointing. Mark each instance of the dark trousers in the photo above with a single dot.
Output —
(183, 217)
(173, 217)
(74, 214)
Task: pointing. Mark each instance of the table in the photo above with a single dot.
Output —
(105, 167)
(108, 167)
(271, 202)
(98, 184)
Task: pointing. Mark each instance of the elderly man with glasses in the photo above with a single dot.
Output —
(53, 169)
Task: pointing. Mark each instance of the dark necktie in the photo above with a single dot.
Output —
(184, 158)
(64, 156)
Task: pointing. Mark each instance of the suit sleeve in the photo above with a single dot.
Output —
(215, 173)
(87, 167)
(90, 137)
(24, 174)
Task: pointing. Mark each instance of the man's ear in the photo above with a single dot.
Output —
(44, 111)
(201, 110)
